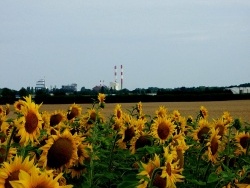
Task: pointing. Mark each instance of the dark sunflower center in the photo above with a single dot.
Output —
(55, 119)
(31, 122)
(60, 153)
(180, 157)
(73, 113)
(202, 134)
(214, 146)
(118, 114)
(142, 141)
(13, 176)
(163, 131)
(129, 134)
(159, 181)
(43, 185)
(168, 169)
(244, 141)
(221, 129)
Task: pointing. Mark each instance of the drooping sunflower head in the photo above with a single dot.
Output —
(221, 126)
(146, 169)
(29, 125)
(161, 111)
(18, 105)
(227, 118)
(202, 131)
(213, 145)
(74, 110)
(162, 129)
(175, 115)
(118, 111)
(127, 132)
(139, 107)
(139, 141)
(203, 112)
(101, 99)
(10, 170)
(171, 171)
(60, 151)
(242, 142)
(56, 118)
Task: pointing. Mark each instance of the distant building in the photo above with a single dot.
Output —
(40, 85)
(69, 88)
(114, 86)
(239, 90)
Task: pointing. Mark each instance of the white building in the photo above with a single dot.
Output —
(239, 90)
(40, 84)
(114, 85)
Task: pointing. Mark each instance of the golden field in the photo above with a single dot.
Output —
(237, 109)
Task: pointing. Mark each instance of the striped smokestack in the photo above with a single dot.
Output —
(115, 75)
(121, 76)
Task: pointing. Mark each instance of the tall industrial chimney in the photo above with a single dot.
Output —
(115, 75)
(121, 76)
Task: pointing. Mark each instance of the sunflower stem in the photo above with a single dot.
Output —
(205, 175)
(111, 153)
(198, 161)
(9, 142)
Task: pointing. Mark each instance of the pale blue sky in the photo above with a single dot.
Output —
(160, 43)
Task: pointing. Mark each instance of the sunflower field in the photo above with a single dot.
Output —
(81, 148)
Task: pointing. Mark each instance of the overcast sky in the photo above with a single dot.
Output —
(160, 43)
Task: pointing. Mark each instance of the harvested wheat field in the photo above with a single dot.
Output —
(237, 108)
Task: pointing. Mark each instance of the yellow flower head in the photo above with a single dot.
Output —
(162, 129)
(10, 170)
(203, 112)
(74, 111)
(59, 151)
(101, 99)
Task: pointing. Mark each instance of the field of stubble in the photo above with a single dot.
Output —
(237, 108)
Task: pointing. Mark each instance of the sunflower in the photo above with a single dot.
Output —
(180, 147)
(101, 99)
(36, 179)
(139, 141)
(242, 142)
(161, 112)
(213, 145)
(162, 129)
(175, 116)
(221, 126)
(56, 118)
(127, 133)
(203, 112)
(10, 170)
(2, 111)
(146, 170)
(139, 107)
(60, 151)
(18, 105)
(74, 111)
(4, 125)
(29, 125)
(227, 118)
(171, 170)
(202, 131)
(118, 111)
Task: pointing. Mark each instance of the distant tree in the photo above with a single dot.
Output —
(23, 92)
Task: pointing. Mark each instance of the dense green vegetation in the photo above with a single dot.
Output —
(151, 94)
